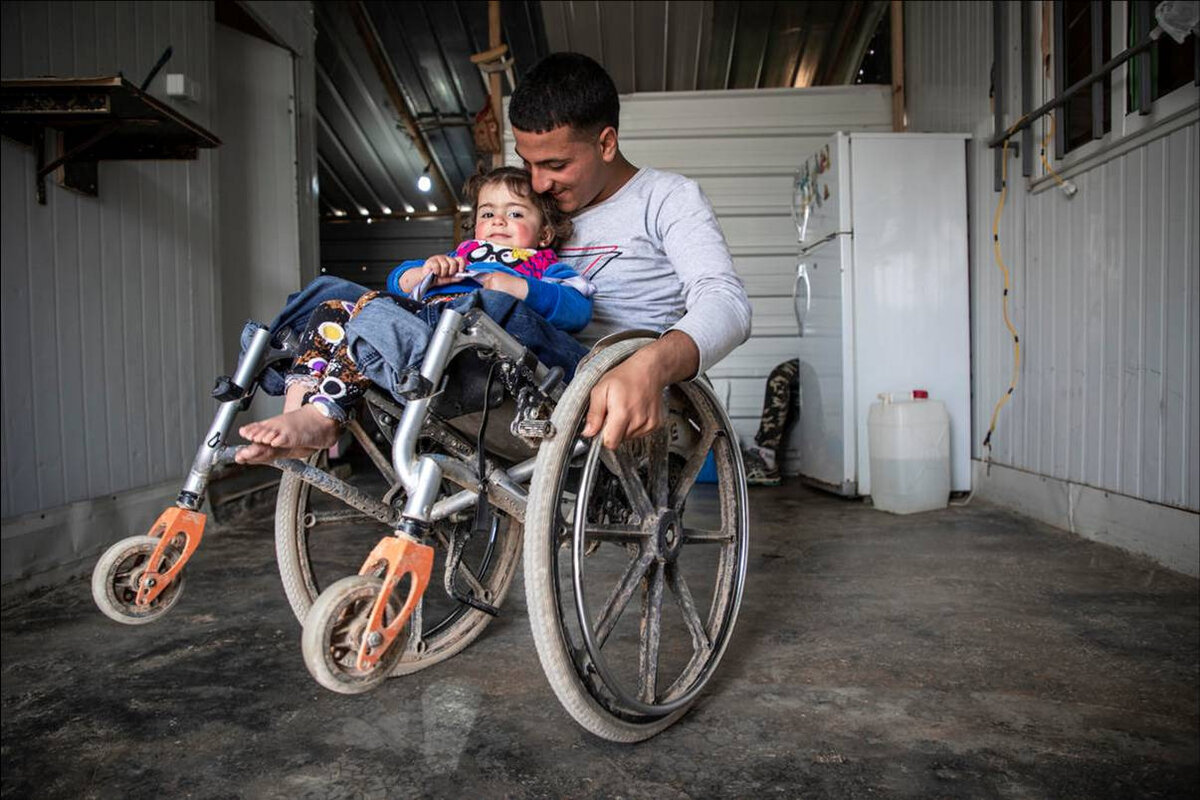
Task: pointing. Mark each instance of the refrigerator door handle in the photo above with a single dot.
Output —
(799, 201)
(808, 248)
(801, 224)
(801, 275)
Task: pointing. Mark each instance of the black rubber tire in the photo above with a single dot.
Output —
(333, 632)
(291, 548)
(114, 581)
(458, 625)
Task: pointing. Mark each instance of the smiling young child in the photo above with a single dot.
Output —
(348, 346)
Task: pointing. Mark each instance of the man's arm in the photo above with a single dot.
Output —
(627, 402)
(718, 311)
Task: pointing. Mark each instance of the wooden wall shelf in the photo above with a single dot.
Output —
(93, 120)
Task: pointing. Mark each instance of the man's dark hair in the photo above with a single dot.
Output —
(565, 89)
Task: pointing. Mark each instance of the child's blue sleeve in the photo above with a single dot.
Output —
(393, 278)
(563, 306)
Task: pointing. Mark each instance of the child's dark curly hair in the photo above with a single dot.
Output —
(519, 182)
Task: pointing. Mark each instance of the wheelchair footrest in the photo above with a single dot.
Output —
(533, 428)
(225, 390)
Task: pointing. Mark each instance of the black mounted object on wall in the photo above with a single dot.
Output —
(93, 120)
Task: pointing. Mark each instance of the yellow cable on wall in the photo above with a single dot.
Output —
(1067, 186)
(1012, 385)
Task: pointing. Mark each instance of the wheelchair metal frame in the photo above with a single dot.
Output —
(140, 578)
(420, 475)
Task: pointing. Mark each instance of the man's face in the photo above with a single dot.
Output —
(568, 163)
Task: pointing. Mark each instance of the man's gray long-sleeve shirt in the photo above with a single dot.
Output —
(658, 260)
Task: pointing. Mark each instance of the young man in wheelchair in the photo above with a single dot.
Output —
(668, 305)
(647, 240)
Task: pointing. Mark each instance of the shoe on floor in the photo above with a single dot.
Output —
(757, 471)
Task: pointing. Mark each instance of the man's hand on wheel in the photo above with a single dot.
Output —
(628, 401)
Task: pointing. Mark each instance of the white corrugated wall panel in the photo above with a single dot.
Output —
(743, 147)
(109, 303)
(1104, 285)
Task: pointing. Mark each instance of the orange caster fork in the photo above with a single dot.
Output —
(403, 555)
(169, 525)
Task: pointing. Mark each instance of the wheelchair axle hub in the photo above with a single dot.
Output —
(666, 534)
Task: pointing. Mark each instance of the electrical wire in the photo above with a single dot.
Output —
(1046, 162)
(1069, 188)
(1016, 372)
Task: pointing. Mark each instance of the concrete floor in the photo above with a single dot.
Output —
(962, 653)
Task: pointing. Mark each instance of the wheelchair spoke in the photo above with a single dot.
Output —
(621, 464)
(695, 462)
(651, 632)
(691, 617)
(620, 596)
(342, 516)
(699, 536)
(615, 533)
(657, 474)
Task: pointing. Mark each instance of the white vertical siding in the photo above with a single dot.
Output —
(743, 147)
(1104, 285)
(291, 23)
(109, 303)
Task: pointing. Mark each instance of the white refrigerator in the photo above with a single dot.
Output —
(881, 295)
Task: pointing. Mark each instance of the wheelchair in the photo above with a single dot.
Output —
(483, 464)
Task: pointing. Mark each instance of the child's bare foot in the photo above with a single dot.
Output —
(255, 453)
(294, 397)
(295, 434)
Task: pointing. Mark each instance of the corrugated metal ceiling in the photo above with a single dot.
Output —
(368, 161)
(687, 45)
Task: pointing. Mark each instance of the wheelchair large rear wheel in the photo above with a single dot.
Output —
(320, 540)
(606, 527)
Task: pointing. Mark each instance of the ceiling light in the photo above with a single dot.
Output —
(423, 182)
(362, 211)
(386, 210)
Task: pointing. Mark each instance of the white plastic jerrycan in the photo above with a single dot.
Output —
(908, 438)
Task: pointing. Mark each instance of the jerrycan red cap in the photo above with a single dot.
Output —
(920, 394)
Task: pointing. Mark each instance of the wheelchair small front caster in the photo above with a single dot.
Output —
(119, 575)
(333, 635)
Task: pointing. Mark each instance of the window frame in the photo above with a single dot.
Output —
(1126, 121)
(1059, 36)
